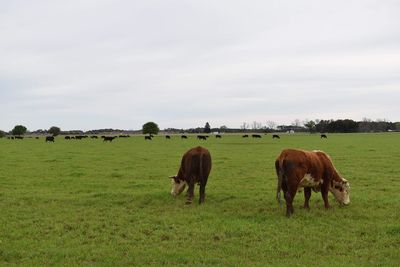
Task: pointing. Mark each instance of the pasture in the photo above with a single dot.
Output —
(88, 202)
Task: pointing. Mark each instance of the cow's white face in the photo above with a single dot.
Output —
(177, 186)
(341, 191)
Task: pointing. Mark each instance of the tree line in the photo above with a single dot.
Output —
(311, 126)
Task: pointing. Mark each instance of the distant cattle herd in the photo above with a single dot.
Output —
(149, 137)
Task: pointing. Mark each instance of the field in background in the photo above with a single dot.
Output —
(87, 202)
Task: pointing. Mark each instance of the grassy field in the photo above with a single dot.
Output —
(92, 203)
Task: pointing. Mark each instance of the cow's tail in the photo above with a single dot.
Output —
(279, 173)
(201, 178)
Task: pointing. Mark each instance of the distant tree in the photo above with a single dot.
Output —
(244, 126)
(2, 134)
(150, 128)
(365, 125)
(397, 126)
(256, 125)
(271, 125)
(311, 126)
(19, 130)
(54, 130)
(223, 129)
(296, 123)
(207, 128)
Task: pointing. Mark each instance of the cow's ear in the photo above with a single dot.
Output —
(175, 179)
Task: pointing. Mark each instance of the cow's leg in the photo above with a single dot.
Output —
(202, 193)
(289, 196)
(324, 193)
(190, 191)
(307, 195)
(202, 190)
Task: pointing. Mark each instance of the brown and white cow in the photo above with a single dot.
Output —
(195, 168)
(310, 170)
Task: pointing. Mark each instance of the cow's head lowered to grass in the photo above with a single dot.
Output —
(341, 190)
(177, 186)
(194, 169)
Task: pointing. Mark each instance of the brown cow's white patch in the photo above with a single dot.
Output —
(309, 181)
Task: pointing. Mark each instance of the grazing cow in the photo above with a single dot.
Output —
(108, 138)
(202, 137)
(218, 136)
(195, 169)
(324, 136)
(37, 137)
(256, 136)
(276, 136)
(19, 137)
(167, 137)
(67, 138)
(49, 139)
(147, 137)
(310, 170)
(184, 137)
(245, 135)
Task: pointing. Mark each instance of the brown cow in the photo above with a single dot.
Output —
(195, 168)
(311, 170)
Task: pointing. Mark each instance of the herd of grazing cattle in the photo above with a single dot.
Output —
(146, 137)
(295, 169)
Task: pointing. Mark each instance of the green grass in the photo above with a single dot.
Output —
(92, 203)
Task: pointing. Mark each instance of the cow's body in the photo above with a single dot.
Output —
(324, 136)
(276, 136)
(49, 139)
(202, 137)
(195, 169)
(310, 170)
(108, 138)
(256, 136)
(147, 138)
(184, 137)
(218, 136)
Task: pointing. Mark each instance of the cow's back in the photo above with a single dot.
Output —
(299, 163)
(197, 163)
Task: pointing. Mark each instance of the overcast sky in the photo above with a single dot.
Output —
(81, 64)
